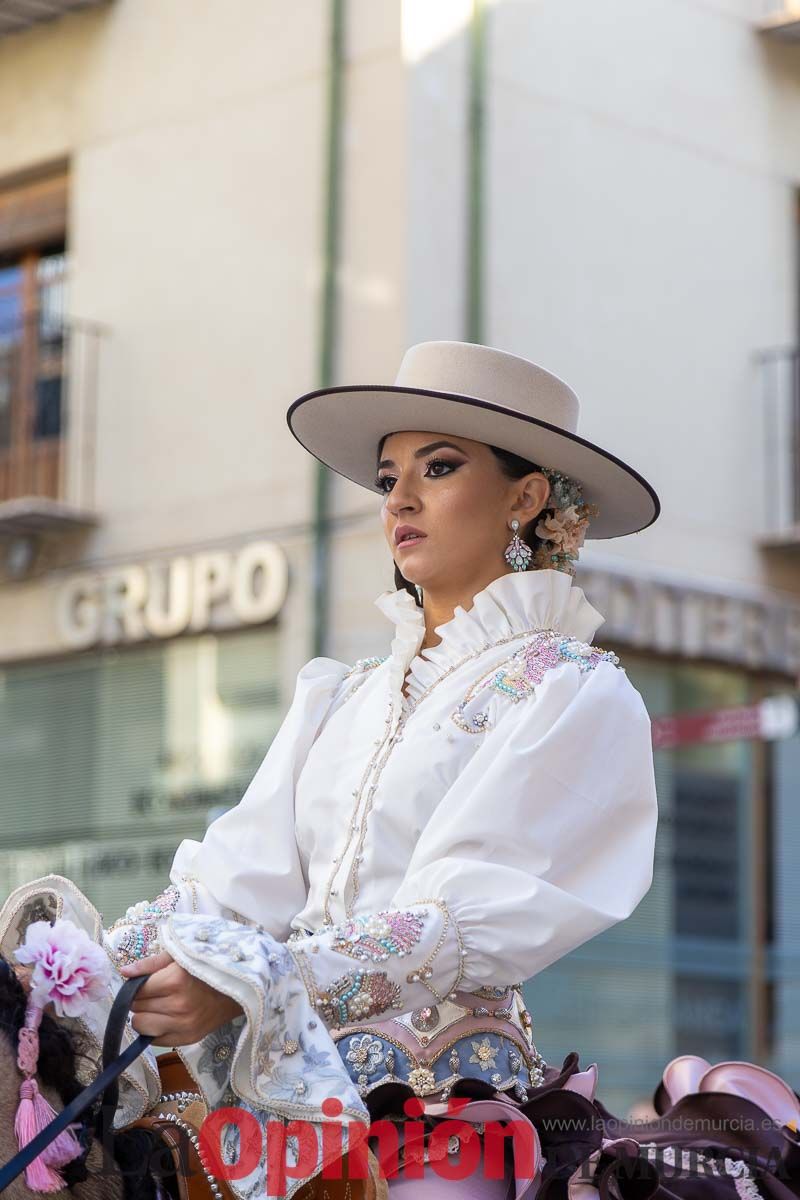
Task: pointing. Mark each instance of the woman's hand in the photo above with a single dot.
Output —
(173, 1007)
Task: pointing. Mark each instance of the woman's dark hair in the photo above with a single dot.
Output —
(513, 466)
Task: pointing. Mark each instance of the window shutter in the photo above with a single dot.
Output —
(33, 213)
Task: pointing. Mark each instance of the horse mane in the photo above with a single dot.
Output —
(59, 1051)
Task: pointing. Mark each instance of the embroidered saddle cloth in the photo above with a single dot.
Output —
(485, 1034)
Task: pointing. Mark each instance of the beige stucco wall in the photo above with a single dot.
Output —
(655, 166)
(641, 229)
(641, 169)
(194, 137)
(196, 140)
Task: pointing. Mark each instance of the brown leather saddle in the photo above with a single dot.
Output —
(177, 1118)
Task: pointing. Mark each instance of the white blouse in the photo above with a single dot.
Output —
(392, 850)
(528, 804)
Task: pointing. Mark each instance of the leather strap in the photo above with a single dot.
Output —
(112, 1046)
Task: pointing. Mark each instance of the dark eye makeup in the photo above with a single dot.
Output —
(381, 480)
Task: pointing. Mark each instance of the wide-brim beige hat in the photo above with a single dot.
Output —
(480, 393)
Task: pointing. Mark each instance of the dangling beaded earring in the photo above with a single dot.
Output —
(517, 553)
(419, 593)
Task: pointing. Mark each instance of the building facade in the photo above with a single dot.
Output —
(206, 210)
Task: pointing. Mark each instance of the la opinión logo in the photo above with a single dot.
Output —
(254, 1139)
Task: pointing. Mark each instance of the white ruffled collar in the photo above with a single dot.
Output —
(513, 603)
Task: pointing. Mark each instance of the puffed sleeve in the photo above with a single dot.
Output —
(548, 836)
(247, 866)
(544, 840)
(249, 860)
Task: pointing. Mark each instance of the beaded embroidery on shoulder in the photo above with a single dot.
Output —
(519, 674)
(361, 669)
(364, 664)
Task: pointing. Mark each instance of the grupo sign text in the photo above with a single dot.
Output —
(186, 594)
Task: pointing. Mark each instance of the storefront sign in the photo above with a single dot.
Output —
(746, 629)
(92, 862)
(775, 717)
(217, 589)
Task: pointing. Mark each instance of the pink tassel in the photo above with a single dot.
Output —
(63, 1148)
(38, 1175)
(68, 969)
(34, 1114)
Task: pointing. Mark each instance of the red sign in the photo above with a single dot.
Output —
(775, 717)
(717, 725)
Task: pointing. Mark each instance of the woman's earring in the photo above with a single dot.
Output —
(517, 553)
(419, 593)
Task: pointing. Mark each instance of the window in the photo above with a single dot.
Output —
(32, 336)
(783, 992)
(108, 760)
(674, 977)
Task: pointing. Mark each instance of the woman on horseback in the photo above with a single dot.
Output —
(430, 827)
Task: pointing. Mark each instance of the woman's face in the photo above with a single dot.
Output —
(453, 492)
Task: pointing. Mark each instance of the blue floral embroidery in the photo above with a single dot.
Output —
(286, 1024)
(278, 958)
(218, 1048)
(372, 1060)
(313, 1058)
(366, 1053)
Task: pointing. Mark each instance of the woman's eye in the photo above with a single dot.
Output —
(440, 462)
(382, 481)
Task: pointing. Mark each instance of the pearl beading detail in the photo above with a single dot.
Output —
(362, 667)
(365, 664)
(525, 669)
(354, 996)
(425, 972)
(138, 942)
(377, 936)
(158, 909)
(371, 987)
(378, 759)
(141, 939)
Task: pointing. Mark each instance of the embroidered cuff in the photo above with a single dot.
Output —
(283, 1058)
(136, 934)
(278, 1062)
(420, 950)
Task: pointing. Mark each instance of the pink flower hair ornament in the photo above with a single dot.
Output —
(563, 523)
(69, 971)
